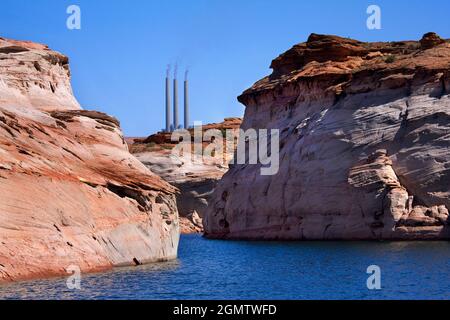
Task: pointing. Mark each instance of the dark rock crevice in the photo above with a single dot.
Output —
(127, 192)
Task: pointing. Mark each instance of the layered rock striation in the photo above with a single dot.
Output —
(195, 180)
(71, 194)
(364, 140)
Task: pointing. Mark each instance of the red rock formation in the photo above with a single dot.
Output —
(431, 40)
(70, 192)
(33, 76)
(364, 131)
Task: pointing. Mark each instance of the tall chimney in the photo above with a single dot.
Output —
(175, 99)
(168, 106)
(186, 101)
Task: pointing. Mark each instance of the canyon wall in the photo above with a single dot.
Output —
(71, 194)
(195, 180)
(364, 145)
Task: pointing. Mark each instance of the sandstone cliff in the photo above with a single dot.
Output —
(364, 145)
(196, 181)
(70, 192)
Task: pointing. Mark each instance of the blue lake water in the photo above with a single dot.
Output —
(209, 269)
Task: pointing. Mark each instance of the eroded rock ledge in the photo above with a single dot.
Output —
(71, 194)
(365, 134)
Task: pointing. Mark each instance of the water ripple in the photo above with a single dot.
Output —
(265, 270)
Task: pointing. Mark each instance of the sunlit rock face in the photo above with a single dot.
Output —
(195, 180)
(70, 192)
(33, 76)
(364, 140)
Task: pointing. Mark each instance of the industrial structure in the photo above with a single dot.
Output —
(168, 104)
(173, 124)
(186, 100)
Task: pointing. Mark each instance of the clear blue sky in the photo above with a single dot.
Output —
(119, 57)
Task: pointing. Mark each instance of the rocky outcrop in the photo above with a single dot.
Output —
(364, 139)
(431, 40)
(195, 180)
(71, 194)
(33, 76)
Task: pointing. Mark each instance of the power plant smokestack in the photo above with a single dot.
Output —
(186, 100)
(168, 106)
(175, 99)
